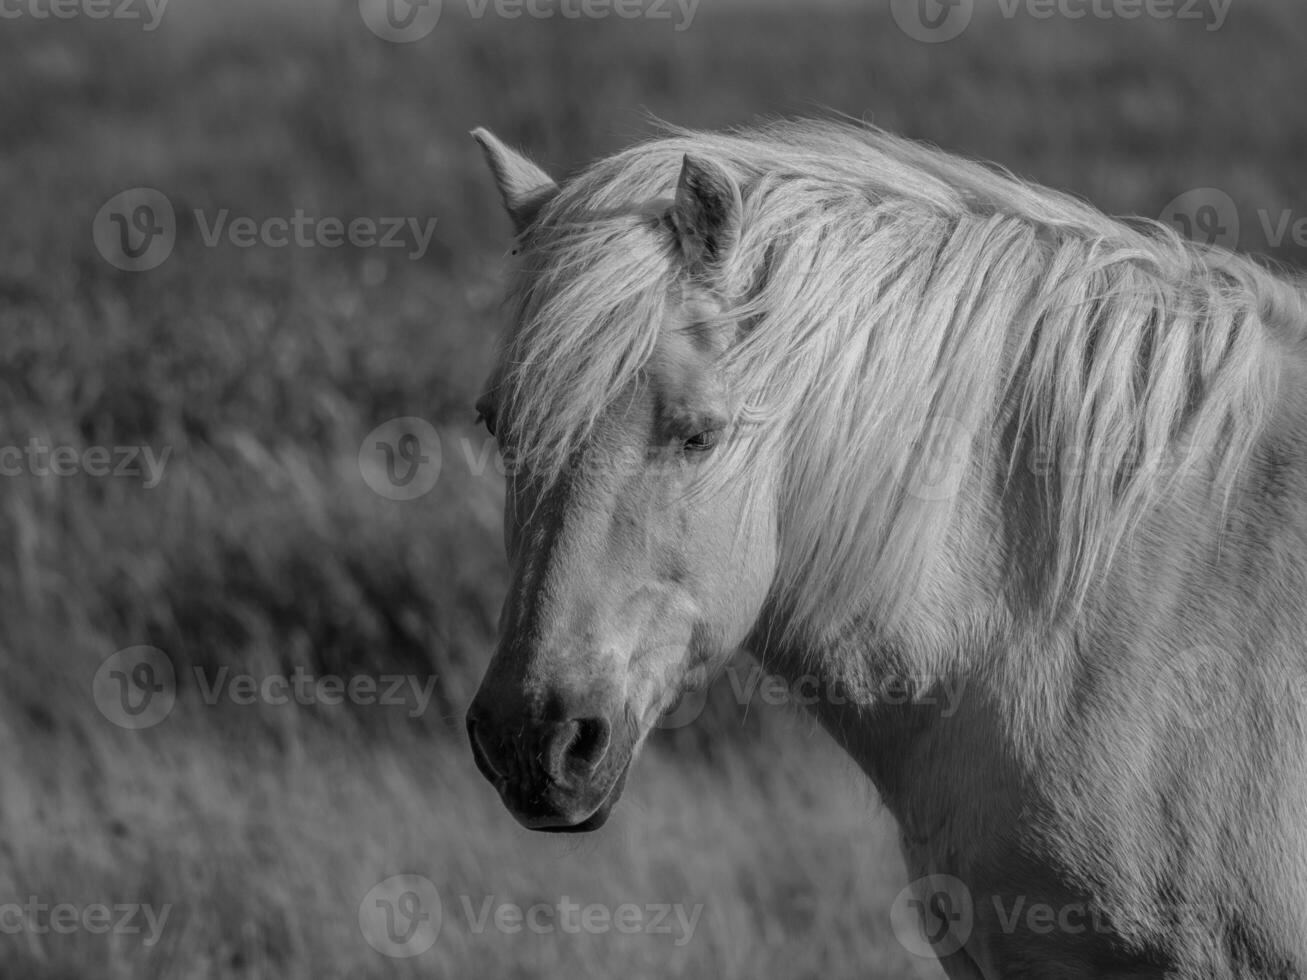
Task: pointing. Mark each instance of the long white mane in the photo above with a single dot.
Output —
(901, 304)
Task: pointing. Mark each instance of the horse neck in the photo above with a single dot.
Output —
(882, 686)
(950, 709)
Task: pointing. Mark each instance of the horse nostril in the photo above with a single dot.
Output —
(580, 745)
(479, 753)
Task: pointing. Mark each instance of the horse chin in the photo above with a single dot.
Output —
(561, 823)
(592, 822)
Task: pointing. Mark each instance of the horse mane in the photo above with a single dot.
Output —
(901, 302)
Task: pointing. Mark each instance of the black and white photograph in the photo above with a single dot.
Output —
(641, 489)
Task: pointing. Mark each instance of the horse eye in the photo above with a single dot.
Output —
(703, 442)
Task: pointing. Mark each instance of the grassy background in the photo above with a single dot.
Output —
(262, 549)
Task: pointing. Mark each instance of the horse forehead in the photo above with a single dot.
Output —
(680, 370)
(691, 340)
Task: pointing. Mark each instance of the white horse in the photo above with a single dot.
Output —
(873, 411)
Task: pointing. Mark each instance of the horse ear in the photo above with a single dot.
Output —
(706, 212)
(523, 187)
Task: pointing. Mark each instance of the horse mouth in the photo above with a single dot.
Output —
(565, 817)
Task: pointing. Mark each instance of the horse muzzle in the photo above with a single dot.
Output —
(559, 775)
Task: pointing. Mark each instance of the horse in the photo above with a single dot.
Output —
(869, 410)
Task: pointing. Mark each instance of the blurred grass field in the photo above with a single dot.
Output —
(262, 549)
